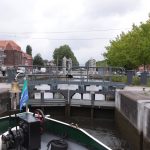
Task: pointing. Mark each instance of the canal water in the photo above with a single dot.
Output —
(109, 136)
(102, 129)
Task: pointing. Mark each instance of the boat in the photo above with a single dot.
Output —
(36, 131)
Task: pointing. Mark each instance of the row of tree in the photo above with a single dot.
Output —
(58, 55)
(62, 51)
(130, 49)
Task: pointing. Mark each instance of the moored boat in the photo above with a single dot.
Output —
(28, 131)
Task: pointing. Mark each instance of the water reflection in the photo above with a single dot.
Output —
(103, 130)
(109, 138)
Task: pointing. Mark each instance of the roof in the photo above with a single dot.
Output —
(26, 55)
(9, 45)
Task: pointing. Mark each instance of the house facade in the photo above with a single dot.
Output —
(27, 59)
(2, 56)
(13, 54)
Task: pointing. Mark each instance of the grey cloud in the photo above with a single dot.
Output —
(101, 8)
(16, 15)
(37, 16)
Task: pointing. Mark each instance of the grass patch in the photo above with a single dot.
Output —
(119, 78)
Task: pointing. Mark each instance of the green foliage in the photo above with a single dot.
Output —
(123, 79)
(87, 64)
(119, 78)
(131, 49)
(29, 50)
(62, 51)
(38, 60)
(45, 61)
(148, 82)
(136, 80)
(102, 63)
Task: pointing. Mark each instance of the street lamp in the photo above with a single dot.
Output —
(14, 94)
(92, 93)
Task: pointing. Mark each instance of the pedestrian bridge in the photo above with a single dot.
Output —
(73, 102)
(71, 95)
(81, 91)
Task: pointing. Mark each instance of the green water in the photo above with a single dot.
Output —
(102, 129)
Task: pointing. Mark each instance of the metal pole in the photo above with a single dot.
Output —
(68, 95)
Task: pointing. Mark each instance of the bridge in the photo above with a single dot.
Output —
(77, 98)
(80, 90)
(95, 99)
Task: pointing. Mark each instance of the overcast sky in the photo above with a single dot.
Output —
(85, 25)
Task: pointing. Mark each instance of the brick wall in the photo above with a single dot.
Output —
(13, 58)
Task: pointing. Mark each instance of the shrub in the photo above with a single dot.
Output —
(136, 80)
(119, 78)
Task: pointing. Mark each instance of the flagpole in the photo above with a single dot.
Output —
(27, 108)
(24, 95)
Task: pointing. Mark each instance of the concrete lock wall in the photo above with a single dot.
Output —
(48, 95)
(43, 87)
(130, 112)
(67, 86)
(87, 96)
(146, 128)
(4, 101)
(37, 95)
(92, 88)
(77, 96)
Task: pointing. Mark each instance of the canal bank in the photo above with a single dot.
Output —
(102, 126)
(4, 101)
(132, 117)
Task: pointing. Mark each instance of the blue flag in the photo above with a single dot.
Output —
(24, 95)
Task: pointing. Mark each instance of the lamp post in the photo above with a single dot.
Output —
(92, 104)
(14, 98)
(14, 94)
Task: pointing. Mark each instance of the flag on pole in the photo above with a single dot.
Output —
(24, 95)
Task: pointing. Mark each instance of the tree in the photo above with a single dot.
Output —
(38, 60)
(130, 49)
(29, 50)
(102, 63)
(62, 51)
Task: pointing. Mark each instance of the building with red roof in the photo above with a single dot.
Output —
(14, 54)
(27, 59)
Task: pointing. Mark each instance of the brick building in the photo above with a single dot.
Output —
(2, 56)
(26, 59)
(14, 55)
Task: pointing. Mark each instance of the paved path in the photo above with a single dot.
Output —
(7, 86)
(137, 88)
(4, 87)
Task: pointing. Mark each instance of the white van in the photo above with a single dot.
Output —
(21, 70)
(43, 70)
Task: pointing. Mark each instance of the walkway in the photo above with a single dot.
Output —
(4, 87)
(136, 88)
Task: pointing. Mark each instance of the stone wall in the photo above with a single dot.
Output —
(128, 131)
(133, 117)
(146, 128)
(4, 101)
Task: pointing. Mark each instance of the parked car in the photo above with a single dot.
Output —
(138, 73)
(36, 70)
(43, 70)
(3, 70)
(21, 70)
